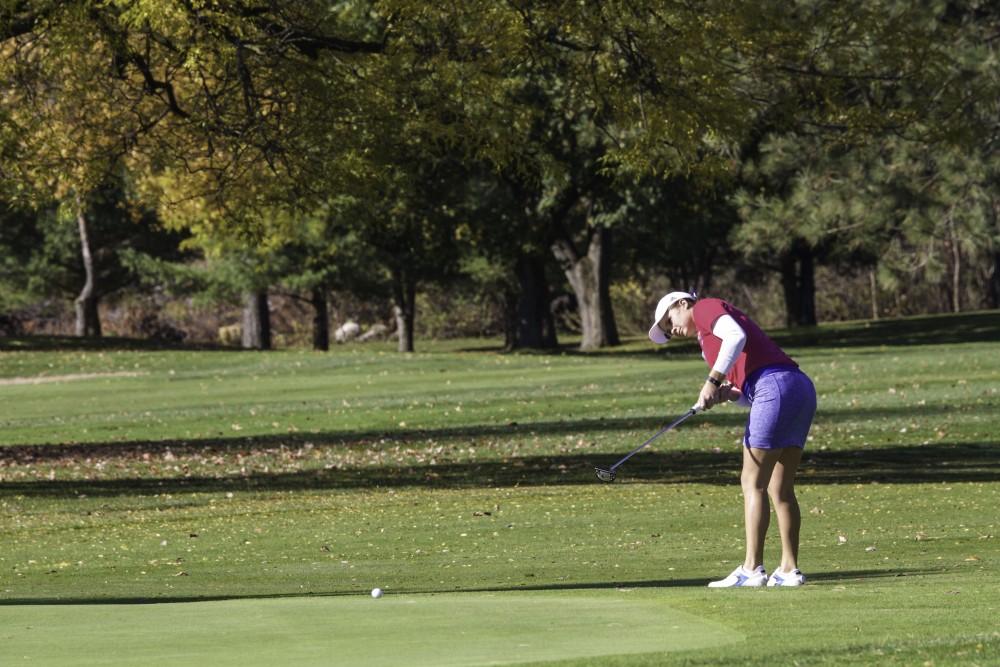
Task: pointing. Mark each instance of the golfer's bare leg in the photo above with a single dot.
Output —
(758, 465)
(786, 505)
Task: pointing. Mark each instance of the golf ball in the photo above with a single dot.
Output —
(376, 593)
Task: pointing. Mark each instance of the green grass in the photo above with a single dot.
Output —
(216, 507)
(467, 628)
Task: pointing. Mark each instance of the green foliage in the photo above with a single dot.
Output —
(42, 248)
(403, 232)
(899, 206)
(207, 281)
(678, 230)
(455, 310)
(306, 141)
(946, 203)
(799, 191)
(19, 238)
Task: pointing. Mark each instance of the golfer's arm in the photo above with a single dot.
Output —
(733, 339)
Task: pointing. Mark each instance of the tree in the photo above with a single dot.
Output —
(228, 112)
(912, 204)
(944, 220)
(62, 153)
(664, 90)
(220, 112)
(786, 227)
(408, 225)
(20, 237)
(679, 229)
(48, 260)
(324, 256)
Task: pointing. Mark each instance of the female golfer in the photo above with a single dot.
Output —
(749, 368)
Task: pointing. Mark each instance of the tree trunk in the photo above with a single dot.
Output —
(789, 288)
(535, 325)
(509, 320)
(993, 276)
(256, 321)
(589, 276)
(807, 287)
(798, 281)
(321, 319)
(956, 270)
(404, 308)
(993, 283)
(88, 320)
(873, 285)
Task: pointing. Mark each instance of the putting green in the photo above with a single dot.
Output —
(440, 629)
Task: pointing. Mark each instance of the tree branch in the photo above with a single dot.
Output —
(153, 85)
(311, 43)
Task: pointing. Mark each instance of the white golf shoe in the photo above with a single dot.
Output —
(742, 578)
(793, 578)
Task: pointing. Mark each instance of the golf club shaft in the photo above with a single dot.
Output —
(657, 435)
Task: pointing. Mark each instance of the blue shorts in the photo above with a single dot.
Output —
(782, 406)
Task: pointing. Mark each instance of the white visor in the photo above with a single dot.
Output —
(656, 334)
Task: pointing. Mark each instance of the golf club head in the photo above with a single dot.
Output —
(605, 475)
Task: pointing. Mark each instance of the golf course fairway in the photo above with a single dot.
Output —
(423, 629)
(214, 507)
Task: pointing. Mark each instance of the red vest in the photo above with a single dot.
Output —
(758, 351)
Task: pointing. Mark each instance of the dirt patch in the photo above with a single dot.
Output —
(68, 378)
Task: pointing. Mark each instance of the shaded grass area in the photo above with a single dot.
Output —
(308, 479)
(944, 329)
(834, 577)
(947, 329)
(102, 344)
(927, 464)
(725, 417)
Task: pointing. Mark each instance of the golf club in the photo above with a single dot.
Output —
(608, 474)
